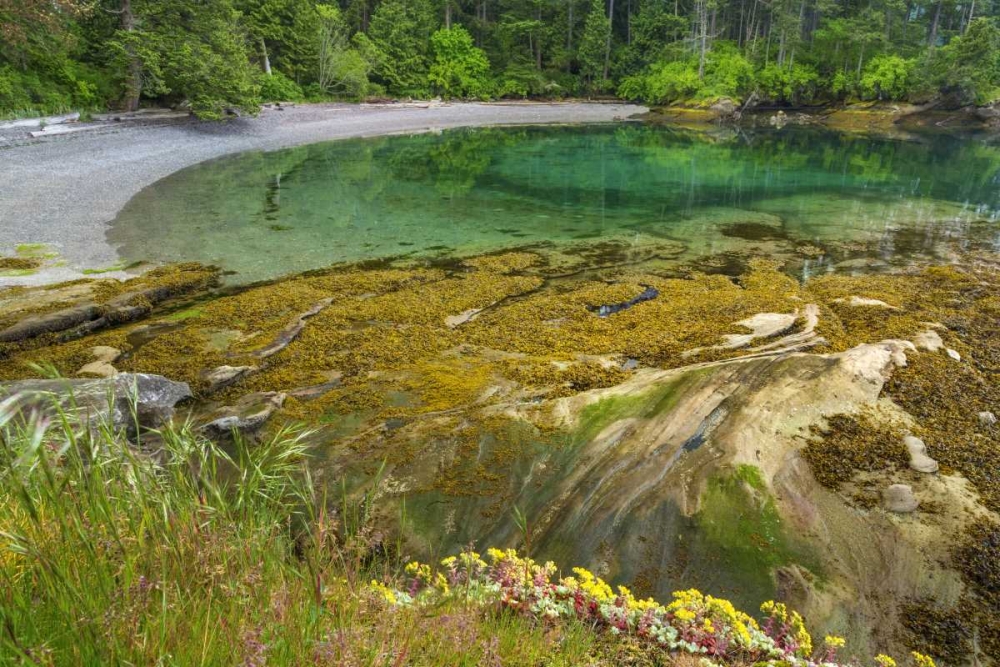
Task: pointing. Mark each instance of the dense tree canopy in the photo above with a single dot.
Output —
(224, 56)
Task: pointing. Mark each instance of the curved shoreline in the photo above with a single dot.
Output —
(64, 191)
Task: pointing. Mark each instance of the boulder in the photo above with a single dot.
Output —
(246, 416)
(899, 498)
(919, 460)
(987, 418)
(954, 354)
(123, 401)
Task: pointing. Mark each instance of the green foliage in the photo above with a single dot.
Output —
(727, 74)
(593, 44)
(400, 36)
(968, 68)
(794, 85)
(886, 77)
(279, 88)
(343, 69)
(459, 68)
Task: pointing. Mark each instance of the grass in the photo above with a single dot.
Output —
(200, 556)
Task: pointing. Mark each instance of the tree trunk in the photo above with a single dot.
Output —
(972, 12)
(538, 40)
(611, 29)
(265, 61)
(932, 41)
(703, 19)
(569, 28)
(447, 14)
(133, 79)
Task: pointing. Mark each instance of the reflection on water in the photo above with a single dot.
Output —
(827, 195)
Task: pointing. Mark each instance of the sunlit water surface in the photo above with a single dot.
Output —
(262, 215)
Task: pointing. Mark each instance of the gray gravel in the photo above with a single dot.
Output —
(64, 190)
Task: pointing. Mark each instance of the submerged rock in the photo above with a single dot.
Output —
(246, 416)
(224, 376)
(122, 401)
(899, 498)
(919, 460)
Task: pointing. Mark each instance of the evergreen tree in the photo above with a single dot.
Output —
(596, 32)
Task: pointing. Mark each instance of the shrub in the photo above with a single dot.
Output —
(794, 85)
(279, 88)
(459, 68)
(672, 82)
(886, 77)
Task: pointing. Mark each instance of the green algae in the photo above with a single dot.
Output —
(741, 531)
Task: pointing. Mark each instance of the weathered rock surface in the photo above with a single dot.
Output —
(899, 498)
(102, 366)
(862, 302)
(246, 416)
(225, 376)
(929, 340)
(152, 399)
(919, 460)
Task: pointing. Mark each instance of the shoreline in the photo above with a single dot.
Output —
(62, 192)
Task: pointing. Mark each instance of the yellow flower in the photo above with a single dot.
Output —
(449, 562)
(922, 660)
(834, 641)
(387, 593)
(685, 615)
(884, 660)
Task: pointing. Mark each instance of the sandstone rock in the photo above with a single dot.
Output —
(987, 418)
(919, 460)
(929, 340)
(761, 325)
(899, 498)
(106, 400)
(246, 416)
(102, 366)
(224, 376)
(860, 301)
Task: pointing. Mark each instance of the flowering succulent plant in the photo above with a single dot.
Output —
(691, 622)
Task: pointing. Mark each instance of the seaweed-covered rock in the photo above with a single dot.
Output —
(123, 401)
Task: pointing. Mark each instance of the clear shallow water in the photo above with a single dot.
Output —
(263, 215)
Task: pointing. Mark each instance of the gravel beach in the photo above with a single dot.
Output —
(63, 190)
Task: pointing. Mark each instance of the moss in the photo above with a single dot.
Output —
(743, 533)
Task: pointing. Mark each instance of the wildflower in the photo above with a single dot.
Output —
(834, 641)
(922, 660)
(884, 661)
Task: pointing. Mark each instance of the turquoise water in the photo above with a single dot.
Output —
(846, 199)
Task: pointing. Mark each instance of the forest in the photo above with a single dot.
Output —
(228, 56)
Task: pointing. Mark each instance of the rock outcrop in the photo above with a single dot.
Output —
(124, 401)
